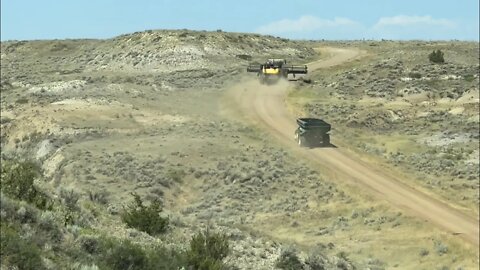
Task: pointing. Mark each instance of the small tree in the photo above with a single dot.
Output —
(436, 57)
(145, 218)
(17, 180)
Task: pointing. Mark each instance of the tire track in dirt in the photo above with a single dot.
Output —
(265, 106)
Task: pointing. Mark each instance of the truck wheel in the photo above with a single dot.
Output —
(326, 140)
(301, 141)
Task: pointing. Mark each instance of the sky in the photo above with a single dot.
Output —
(296, 19)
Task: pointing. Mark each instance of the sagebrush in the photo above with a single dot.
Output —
(436, 57)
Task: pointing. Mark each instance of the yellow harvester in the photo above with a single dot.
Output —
(274, 69)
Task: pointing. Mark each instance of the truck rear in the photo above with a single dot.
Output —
(312, 132)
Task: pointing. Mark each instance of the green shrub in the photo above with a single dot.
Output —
(207, 250)
(14, 211)
(343, 261)
(163, 258)
(316, 261)
(100, 197)
(17, 180)
(244, 57)
(69, 198)
(145, 218)
(22, 100)
(415, 75)
(289, 260)
(440, 248)
(469, 78)
(89, 243)
(123, 255)
(50, 227)
(176, 175)
(17, 253)
(436, 57)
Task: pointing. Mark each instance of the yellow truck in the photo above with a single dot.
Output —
(275, 69)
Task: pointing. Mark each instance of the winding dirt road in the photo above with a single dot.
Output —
(266, 107)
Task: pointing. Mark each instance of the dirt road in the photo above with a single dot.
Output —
(265, 106)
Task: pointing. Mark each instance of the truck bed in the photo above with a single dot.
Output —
(313, 123)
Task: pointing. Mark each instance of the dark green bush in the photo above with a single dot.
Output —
(289, 260)
(115, 254)
(89, 244)
(244, 56)
(145, 218)
(469, 78)
(207, 250)
(22, 100)
(17, 253)
(415, 75)
(17, 180)
(436, 57)
(161, 258)
(123, 255)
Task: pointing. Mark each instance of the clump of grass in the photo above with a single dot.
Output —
(22, 100)
(69, 198)
(423, 252)
(207, 250)
(100, 197)
(316, 261)
(415, 75)
(343, 261)
(440, 248)
(289, 260)
(18, 253)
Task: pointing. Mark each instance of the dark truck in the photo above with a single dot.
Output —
(312, 132)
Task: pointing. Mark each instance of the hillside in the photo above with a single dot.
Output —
(159, 114)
